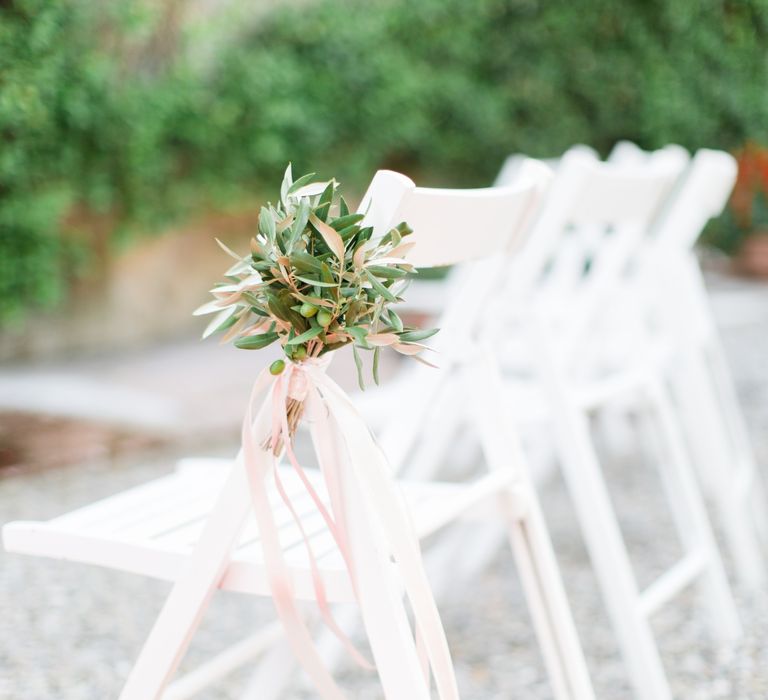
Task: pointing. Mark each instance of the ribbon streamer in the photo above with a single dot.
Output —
(307, 382)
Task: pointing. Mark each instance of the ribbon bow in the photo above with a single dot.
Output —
(305, 388)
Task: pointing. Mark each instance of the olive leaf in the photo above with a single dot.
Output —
(380, 288)
(305, 336)
(330, 236)
(298, 184)
(286, 184)
(267, 224)
(316, 279)
(256, 342)
(359, 365)
(299, 224)
(376, 354)
(414, 336)
(394, 320)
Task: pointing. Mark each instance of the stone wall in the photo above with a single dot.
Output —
(144, 294)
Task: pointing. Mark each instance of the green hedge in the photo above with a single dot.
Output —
(451, 87)
(440, 88)
(78, 129)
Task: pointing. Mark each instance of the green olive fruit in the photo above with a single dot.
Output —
(299, 353)
(277, 367)
(307, 310)
(324, 318)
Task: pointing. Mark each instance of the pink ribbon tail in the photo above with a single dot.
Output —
(280, 429)
(258, 463)
(350, 433)
(387, 503)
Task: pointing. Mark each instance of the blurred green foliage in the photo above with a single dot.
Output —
(102, 107)
(452, 87)
(79, 131)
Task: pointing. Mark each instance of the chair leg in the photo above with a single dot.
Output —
(184, 607)
(609, 557)
(754, 485)
(275, 674)
(726, 465)
(691, 516)
(529, 538)
(548, 603)
(224, 663)
(602, 535)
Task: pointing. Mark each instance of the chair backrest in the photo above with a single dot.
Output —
(478, 227)
(456, 225)
(629, 153)
(668, 263)
(702, 192)
(590, 227)
(702, 195)
(511, 166)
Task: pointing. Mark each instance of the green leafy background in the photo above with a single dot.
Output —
(127, 114)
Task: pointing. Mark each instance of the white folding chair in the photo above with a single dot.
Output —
(594, 222)
(194, 527)
(673, 289)
(589, 234)
(577, 295)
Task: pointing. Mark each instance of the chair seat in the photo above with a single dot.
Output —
(151, 529)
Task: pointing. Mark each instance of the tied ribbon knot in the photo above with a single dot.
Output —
(305, 389)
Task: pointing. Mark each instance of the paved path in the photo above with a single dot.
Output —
(187, 387)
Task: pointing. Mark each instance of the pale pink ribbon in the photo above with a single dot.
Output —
(308, 382)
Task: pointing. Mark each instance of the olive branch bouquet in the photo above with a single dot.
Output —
(316, 280)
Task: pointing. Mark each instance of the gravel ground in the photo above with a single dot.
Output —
(70, 632)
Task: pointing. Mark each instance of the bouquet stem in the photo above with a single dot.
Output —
(294, 410)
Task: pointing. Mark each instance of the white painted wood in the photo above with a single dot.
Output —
(672, 582)
(380, 596)
(597, 221)
(579, 303)
(441, 219)
(601, 532)
(700, 379)
(615, 206)
(183, 610)
(598, 225)
(193, 527)
(223, 664)
(529, 538)
(274, 675)
(436, 505)
(146, 553)
(693, 522)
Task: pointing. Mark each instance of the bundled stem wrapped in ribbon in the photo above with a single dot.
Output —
(317, 279)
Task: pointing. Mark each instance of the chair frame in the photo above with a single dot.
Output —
(593, 194)
(398, 659)
(589, 193)
(701, 381)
